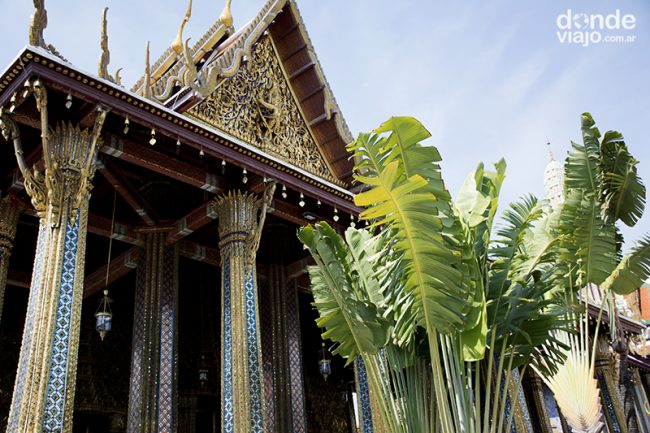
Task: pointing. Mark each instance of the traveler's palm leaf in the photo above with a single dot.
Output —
(347, 313)
(407, 194)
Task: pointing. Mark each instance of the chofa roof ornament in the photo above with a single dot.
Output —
(37, 24)
(105, 57)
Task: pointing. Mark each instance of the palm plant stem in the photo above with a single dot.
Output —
(497, 385)
(504, 392)
(477, 395)
(595, 343)
(486, 407)
(452, 377)
(439, 384)
(376, 383)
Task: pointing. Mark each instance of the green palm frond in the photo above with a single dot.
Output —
(407, 194)
(519, 220)
(581, 169)
(623, 192)
(576, 378)
(632, 271)
(539, 248)
(591, 241)
(352, 321)
(476, 206)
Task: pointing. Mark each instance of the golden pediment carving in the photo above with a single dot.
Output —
(257, 106)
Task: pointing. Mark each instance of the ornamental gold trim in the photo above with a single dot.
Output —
(9, 214)
(258, 106)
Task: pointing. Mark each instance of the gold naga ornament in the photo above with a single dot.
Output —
(177, 66)
(105, 57)
(37, 24)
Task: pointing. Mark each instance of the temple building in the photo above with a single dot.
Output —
(180, 199)
(151, 279)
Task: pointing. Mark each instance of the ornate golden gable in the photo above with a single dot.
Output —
(257, 106)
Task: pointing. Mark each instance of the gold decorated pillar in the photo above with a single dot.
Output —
(539, 412)
(153, 391)
(369, 418)
(8, 222)
(284, 407)
(610, 397)
(241, 218)
(44, 392)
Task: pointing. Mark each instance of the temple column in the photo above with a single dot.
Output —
(610, 399)
(153, 393)
(44, 393)
(540, 414)
(285, 408)
(8, 223)
(517, 402)
(294, 354)
(241, 218)
(366, 424)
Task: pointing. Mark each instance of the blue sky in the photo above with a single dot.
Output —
(489, 79)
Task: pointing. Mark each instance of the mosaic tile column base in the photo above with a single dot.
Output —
(153, 394)
(294, 352)
(241, 217)
(541, 418)
(281, 344)
(366, 421)
(45, 383)
(612, 405)
(43, 396)
(9, 213)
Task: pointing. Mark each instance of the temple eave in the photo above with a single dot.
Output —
(36, 62)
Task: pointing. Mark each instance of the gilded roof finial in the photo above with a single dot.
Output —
(147, 74)
(177, 45)
(105, 56)
(37, 24)
(226, 15)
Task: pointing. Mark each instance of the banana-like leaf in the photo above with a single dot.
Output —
(539, 248)
(581, 169)
(363, 248)
(351, 320)
(593, 242)
(477, 204)
(408, 196)
(632, 271)
(623, 191)
(471, 201)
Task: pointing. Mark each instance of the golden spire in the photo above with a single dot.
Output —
(147, 74)
(226, 15)
(37, 24)
(177, 45)
(105, 57)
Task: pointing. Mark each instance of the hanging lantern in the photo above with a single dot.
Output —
(325, 362)
(204, 374)
(104, 316)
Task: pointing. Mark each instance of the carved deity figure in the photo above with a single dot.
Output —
(271, 113)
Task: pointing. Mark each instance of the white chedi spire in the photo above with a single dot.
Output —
(554, 180)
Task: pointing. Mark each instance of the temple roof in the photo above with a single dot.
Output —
(219, 55)
(217, 59)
